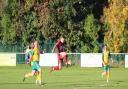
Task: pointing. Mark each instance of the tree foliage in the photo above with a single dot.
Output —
(91, 29)
(116, 16)
(8, 22)
(71, 18)
(78, 20)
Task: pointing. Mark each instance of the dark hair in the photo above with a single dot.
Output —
(105, 44)
(29, 47)
(61, 36)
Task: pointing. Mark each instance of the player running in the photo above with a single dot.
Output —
(106, 57)
(62, 56)
(34, 59)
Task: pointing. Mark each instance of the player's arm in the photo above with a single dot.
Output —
(54, 47)
(103, 60)
(30, 59)
(103, 63)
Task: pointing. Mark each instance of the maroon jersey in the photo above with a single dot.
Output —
(60, 46)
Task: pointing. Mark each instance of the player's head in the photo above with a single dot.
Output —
(62, 39)
(106, 47)
(35, 43)
(31, 45)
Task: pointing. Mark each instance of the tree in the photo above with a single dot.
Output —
(63, 13)
(2, 5)
(116, 16)
(8, 22)
(91, 29)
(47, 20)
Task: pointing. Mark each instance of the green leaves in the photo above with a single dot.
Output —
(8, 27)
(77, 20)
(91, 30)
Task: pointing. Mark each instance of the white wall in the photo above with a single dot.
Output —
(126, 61)
(91, 60)
(7, 59)
(48, 59)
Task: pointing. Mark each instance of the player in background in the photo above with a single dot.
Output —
(62, 56)
(27, 53)
(106, 66)
(34, 59)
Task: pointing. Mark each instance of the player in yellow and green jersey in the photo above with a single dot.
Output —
(106, 56)
(34, 59)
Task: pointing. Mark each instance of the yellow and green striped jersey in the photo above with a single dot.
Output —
(35, 54)
(106, 57)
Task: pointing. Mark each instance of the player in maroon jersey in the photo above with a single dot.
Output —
(62, 56)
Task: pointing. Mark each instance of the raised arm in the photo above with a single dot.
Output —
(54, 47)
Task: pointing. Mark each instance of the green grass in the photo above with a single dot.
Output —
(68, 78)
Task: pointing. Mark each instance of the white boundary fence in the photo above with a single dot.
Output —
(50, 59)
(7, 59)
(126, 61)
(91, 60)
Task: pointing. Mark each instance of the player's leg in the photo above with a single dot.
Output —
(64, 56)
(108, 73)
(39, 74)
(104, 73)
(33, 64)
(66, 59)
(39, 77)
(29, 75)
(59, 64)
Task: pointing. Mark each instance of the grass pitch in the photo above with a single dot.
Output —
(68, 78)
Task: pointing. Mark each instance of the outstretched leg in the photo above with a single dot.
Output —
(108, 74)
(29, 75)
(39, 77)
(64, 56)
